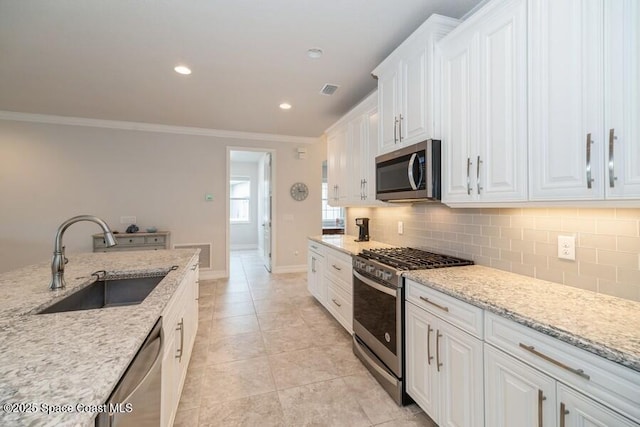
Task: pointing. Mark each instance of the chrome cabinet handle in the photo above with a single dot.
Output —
(336, 302)
(478, 174)
(364, 189)
(541, 398)
(429, 356)
(563, 411)
(181, 349)
(441, 307)
(395, 130)
(400, 127)
(336, 267)
(589, 178)
(612, 177)
(438, 336)
(313, 264)
(531, 349)
(468, 178)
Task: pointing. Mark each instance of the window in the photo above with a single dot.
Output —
(331, 217)
(240, 200)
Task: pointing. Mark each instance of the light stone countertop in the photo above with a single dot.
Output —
(347, 243)
(601, 324)
(75, 357)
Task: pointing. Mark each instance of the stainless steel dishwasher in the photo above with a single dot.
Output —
(136, 399)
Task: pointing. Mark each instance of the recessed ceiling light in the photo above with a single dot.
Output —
(181, 69)
(285, 106)
(314, 53)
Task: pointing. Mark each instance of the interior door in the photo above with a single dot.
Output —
(266, 222)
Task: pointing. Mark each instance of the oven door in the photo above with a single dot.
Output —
(377, 320)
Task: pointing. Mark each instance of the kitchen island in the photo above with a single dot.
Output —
(56, 369)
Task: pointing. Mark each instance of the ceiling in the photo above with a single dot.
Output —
(114, 59)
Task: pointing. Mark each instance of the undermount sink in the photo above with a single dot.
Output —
(106, 293)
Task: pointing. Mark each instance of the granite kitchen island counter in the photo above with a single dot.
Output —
(601, 324)
(68, 363)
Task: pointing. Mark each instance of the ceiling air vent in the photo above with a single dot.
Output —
(329, 89)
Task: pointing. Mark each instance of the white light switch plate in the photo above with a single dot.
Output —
(567, 247)
(400, 227)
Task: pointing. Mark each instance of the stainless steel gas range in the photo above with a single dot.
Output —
(378, 313)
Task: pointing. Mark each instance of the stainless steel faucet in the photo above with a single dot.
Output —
(59, 260)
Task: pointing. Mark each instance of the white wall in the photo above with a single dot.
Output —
(245, 235)
(51, 172)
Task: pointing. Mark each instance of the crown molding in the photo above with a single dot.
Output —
(151, 127)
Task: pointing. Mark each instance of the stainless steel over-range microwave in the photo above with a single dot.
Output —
(409, 174)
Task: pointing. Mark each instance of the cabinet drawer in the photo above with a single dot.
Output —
(603, 380)
(459, 313)
(315, 247)
(133, 240)
(155, 240)
(339, 267)
(340, 304)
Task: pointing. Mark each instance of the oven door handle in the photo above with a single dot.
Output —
(373, 284)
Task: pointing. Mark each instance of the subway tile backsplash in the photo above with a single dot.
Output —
(523, 240)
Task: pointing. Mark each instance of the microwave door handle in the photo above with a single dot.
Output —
(412, 181)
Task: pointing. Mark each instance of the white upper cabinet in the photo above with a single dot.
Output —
(583, 109)
(351, 151)
(407, 92)
(484, 106)
(622, 91)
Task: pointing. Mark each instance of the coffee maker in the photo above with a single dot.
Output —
(363, 232)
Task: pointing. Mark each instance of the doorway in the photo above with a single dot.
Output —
(250, 203)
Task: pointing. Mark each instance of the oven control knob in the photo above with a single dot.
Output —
(387, 275)
(370, 268)
(387, 336)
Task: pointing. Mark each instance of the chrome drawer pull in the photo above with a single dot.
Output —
(429, 356)
(434, 304)
(541, 398)
(336, 267)
(181, 349)
(438, 336)
(336, 302)
(532, 350)
(563, 411)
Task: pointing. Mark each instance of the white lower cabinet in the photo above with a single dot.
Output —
(330, 281)
(444, 369)
(470, 367)
(179, 324)
(515, 393)
(519, 395)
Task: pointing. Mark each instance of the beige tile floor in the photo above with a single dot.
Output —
(268, 354)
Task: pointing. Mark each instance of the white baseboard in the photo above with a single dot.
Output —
(212, 274)
(290, 269)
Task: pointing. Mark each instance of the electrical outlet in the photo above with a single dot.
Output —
(567, 247)
(400, 227)
(128, 220)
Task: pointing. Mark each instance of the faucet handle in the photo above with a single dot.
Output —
(64, 257)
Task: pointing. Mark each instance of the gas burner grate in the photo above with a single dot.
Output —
(412, 259)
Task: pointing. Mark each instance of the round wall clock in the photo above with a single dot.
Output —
(299, 191)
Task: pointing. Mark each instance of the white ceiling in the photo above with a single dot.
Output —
(114, 59)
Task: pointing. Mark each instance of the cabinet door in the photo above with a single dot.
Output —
(337, 166)
(566, 99)
(516, 394)
(413, 124)
(422, 379)
(501, 161)
(459, 127)
(577, 410)
(461, 377)
(358, 158)
(315, 277)
(622, 94)
(388, 101)
(369, 165)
